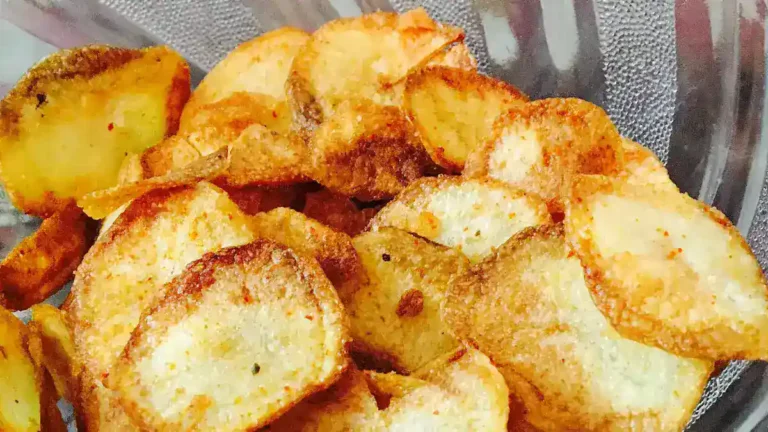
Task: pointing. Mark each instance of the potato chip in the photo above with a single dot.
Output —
(454, 110)
(669, 271)
(42, 263)
(260, 65)
(473, 215)
(240, 337)
(69, 122)
(366, 151)
(57, 348)
(456, 56)
(528, 307)
(172, 153)
(149, 244)
(642, 167)
(361, 58)
(20, 388)
(332, 250)
(543, 145)
(394, 312)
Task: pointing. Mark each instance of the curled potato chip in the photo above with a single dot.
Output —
(669, 271)
(69, 122)
(57, 348)
(543, 145)
(362, 58)
(332, 250)
(99, 204)
(263, 157)
(268, 330)
(394, 312)
(454, 110)
(558, 353)
(172, 153)
(473, 215)
(42, 263)
(260, 65)
(215, 125)
(456, 56)
(366, 151)
(337, 211)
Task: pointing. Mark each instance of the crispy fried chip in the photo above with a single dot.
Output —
(265, 158)
(333, 250)
(642, 167)
(669, 271)
(172, 153)
(260, 65)
(395, 310)
(20, 386)
(362, 58)
(473, 215)
(240, 337)
(529, 309)
(366, 151)
(454, 110)
(69, 122)
(57, 348)
(346, 406)
(101, 203)
(456, 56)
(215, 125)
(337, 211)
(461, 391)
(543, 145)
(43, 262)
(149, 244)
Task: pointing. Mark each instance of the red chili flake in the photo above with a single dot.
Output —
(110, 126)
(666, 233)
(274, 114)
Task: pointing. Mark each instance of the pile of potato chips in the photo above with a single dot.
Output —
(351, 230)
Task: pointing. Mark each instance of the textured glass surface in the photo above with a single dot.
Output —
(684, 77)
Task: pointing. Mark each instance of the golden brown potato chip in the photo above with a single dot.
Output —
(362, 58)
(461, 391)
(346, 406)
(669, 271)
(366, 151)
(240, 337)
(41, 263)
(215, 125)
(528, 307)
(101, 203)
(642, 167)
(337, 211)
(265, 158)
(69, 122)
(131, 170)
(260, 65)
(474, 216)
(456, 56)
(20, 386)
(57, 348)
(394, 311)
(172, 153)
(543, 145)
(333, 250)
(149, 244)
(454, 110)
